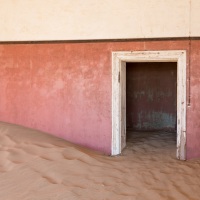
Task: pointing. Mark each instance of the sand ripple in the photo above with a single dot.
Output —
(37, 166)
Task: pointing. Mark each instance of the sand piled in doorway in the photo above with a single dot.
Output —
(36, 166)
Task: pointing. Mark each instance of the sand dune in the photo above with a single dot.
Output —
(37, 166)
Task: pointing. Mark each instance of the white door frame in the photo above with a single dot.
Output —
(119, 60)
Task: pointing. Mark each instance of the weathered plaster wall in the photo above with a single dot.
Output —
(193, 113)
(194, 18)
(24, 20)
(65, 88)
(151, 96)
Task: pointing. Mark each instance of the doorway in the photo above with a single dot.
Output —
(177, 117)
(151, 95)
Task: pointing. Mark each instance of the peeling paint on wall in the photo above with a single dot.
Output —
(155, 121)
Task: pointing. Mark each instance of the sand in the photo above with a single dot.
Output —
(37, 166)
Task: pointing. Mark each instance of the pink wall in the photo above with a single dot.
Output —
(65, 89)
(193, 112)
(151, 96)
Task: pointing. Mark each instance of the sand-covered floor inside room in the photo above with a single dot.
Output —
(36, 166)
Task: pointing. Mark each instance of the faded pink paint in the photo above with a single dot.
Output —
(65, 89)
(193, 112)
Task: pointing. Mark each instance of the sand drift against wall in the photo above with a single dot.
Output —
(34, 165)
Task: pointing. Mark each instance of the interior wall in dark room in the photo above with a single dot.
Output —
(151, 102)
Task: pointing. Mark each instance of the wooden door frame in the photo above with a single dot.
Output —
(119, 60)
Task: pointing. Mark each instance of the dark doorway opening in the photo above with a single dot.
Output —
(151, 99)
